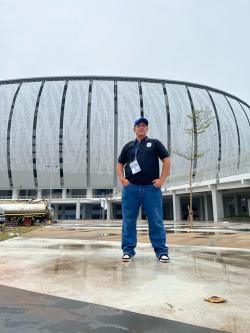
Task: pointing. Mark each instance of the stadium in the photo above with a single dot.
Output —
(61, 136)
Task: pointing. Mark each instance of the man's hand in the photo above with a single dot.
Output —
(164, 174)
(158, 182)
(124, 181)
(120, 174)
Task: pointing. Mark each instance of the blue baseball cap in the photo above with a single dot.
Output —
(141, 120)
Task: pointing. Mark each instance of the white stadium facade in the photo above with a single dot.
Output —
(61, 136)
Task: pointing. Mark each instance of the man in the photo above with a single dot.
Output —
(142, 186)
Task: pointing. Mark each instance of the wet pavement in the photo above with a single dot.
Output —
(112, 232)
(90, 271)
(24, 311)
(170, 226)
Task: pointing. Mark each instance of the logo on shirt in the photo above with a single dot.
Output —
(149, 144)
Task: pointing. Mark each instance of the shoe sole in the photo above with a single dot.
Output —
(126, 260)
(164, 261)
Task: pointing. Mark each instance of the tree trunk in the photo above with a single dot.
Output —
(190, 207)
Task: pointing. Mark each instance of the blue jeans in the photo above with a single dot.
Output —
(133, 196)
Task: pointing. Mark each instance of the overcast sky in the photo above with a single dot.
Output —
(200, 41)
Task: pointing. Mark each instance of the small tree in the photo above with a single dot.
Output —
(201, 120)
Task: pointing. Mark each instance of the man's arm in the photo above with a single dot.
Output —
(164, 174)
(120, 174)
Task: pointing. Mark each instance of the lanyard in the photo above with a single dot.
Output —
(137, 148)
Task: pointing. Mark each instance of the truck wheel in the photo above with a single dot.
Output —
(27, 221)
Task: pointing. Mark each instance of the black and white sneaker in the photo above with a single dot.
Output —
(126, 257)
(164, 258)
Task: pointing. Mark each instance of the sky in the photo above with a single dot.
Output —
(205, 42)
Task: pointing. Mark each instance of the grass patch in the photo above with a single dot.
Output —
(11, 232)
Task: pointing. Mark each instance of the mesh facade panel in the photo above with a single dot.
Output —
(128, 111)
(229, 140)
(21, 131)
(75, 135)
(155, 112)
(179, 108)
(246, 111)
(6, 97)
(244, 130)
(208, 141)
(47, 135)
(102, 135)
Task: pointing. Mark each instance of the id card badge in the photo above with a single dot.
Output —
(135, 167)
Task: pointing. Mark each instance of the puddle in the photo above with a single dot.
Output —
(106, 235)
(216, 233)
(178, 231)
(104, 272)
(239, 229)
(231, 259)
(240, 256)
(79, 246)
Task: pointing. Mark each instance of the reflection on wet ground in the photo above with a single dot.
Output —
(79, 246)
(233, 259)
(90, 270)
(170, 226)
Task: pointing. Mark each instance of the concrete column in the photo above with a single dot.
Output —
(236, 206)
(78, 205)
(206, 207)
(201, 210)
(169, 207)
(89, 193)
(217, 204)
(64, 193)
(83, 210)
(15, 194)
(176, 207)
(55, 212)
(108, 210)
(39, 194)
(248, 202)
(226, 206)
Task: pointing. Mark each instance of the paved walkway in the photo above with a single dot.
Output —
(90, 271)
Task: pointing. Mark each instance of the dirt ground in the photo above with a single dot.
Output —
(231, 240)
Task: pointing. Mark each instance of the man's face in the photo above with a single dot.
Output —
(141, 129)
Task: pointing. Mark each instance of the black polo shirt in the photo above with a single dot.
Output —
(148, 153)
